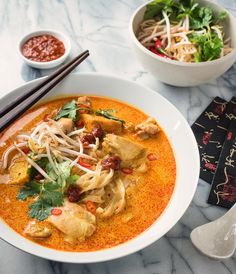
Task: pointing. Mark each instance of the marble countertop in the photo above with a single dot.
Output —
(102, 27)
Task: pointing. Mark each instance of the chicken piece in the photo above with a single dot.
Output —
(131, 154)
(84, 100)
(37, 231)
(130, 127)
(74, 221)
(147, 129)
(66, 124)
(108, 125)
(18, 171)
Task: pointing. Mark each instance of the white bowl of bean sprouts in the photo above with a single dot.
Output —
(184, 44)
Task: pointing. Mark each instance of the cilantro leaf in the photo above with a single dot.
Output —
(48, 194)
(54, 198)
(33, 172)
(28, 190)
(40, 210)
(50, 171)
(107, 114)
(24, 193)
(221, 17)
(155, 7)
(69, 110)
(72, 179)
(64, 169)
(201, 17)
(209, 46)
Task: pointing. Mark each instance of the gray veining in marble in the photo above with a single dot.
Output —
(102, 27)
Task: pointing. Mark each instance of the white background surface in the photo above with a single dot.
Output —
(102, 27)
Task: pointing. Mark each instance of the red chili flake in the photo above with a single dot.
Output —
(46, 117)
(127, 170)
(38, 177)
(91, 207)
(98, 132)
(112, 162)
(56, 211)
(80, 123)
(206, 137)
(73, 193)
(88, 138)
(210, 166)
(26, 150)
(229, 135)
(152, 157)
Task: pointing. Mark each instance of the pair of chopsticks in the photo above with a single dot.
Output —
(28, 98)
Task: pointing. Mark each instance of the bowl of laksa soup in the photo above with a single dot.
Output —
(99, 169)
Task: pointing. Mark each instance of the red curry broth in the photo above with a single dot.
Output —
(145, 200)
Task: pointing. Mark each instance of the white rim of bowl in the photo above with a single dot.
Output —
(174, 62)
(67, 45)
(105, 254)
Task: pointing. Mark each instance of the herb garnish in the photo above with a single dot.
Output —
(107, 114)
(69, 110)
(209, 46)
(48, 194)
(155, 8)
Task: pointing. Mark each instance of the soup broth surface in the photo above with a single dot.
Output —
(146, 198)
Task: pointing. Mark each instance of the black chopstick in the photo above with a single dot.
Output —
(28, 93)
(27, 101)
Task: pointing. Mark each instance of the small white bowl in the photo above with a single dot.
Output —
(178, 73)
(50, 64)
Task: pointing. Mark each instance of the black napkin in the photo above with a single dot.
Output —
(203, 129)
(223, 190)
(210, 155)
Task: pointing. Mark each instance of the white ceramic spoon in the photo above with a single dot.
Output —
(217, 239)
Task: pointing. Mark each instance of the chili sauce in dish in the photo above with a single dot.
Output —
(43, 48)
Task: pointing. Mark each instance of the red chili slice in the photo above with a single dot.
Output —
(26, 150)
(154, 50)
(152, 157)
(158, 44)
(80, 162)
(91, 207)
(127, 170)
(85, 144)
(56, 211)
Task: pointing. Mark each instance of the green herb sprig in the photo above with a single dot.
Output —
(69, 110)
(107, 113)
(47, 194)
